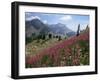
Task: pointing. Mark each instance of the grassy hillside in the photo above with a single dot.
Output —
(73, 51)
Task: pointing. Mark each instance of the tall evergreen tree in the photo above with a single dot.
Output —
(78, 30)
(87, 27)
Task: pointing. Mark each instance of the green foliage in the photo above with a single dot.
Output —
(69, 61)
(84, 58)
(31, 38)
(59, 38)
(28, 66)
(47, 60)
(50, 36)
(28, 40)
(68, 53)
(62, 52)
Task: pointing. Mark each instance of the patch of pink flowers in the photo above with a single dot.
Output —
(59, 53)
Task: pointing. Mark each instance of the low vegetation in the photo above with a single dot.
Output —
(55, 51)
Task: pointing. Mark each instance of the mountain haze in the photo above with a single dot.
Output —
(38, 27)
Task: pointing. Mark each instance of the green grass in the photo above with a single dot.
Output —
(38, 45)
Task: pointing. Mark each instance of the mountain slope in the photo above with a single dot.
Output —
(60, 28)
(38, 27)
(35, 26)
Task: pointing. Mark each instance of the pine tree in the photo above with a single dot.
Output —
(78, 30)
(87, 27)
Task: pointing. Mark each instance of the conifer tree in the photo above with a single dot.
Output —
(78, 30)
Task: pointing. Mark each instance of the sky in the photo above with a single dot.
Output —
(70, 20)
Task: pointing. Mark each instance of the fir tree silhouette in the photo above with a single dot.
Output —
(78, 30)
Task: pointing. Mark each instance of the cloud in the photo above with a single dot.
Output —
(66, 18)
(45, 21)
(32, 17)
